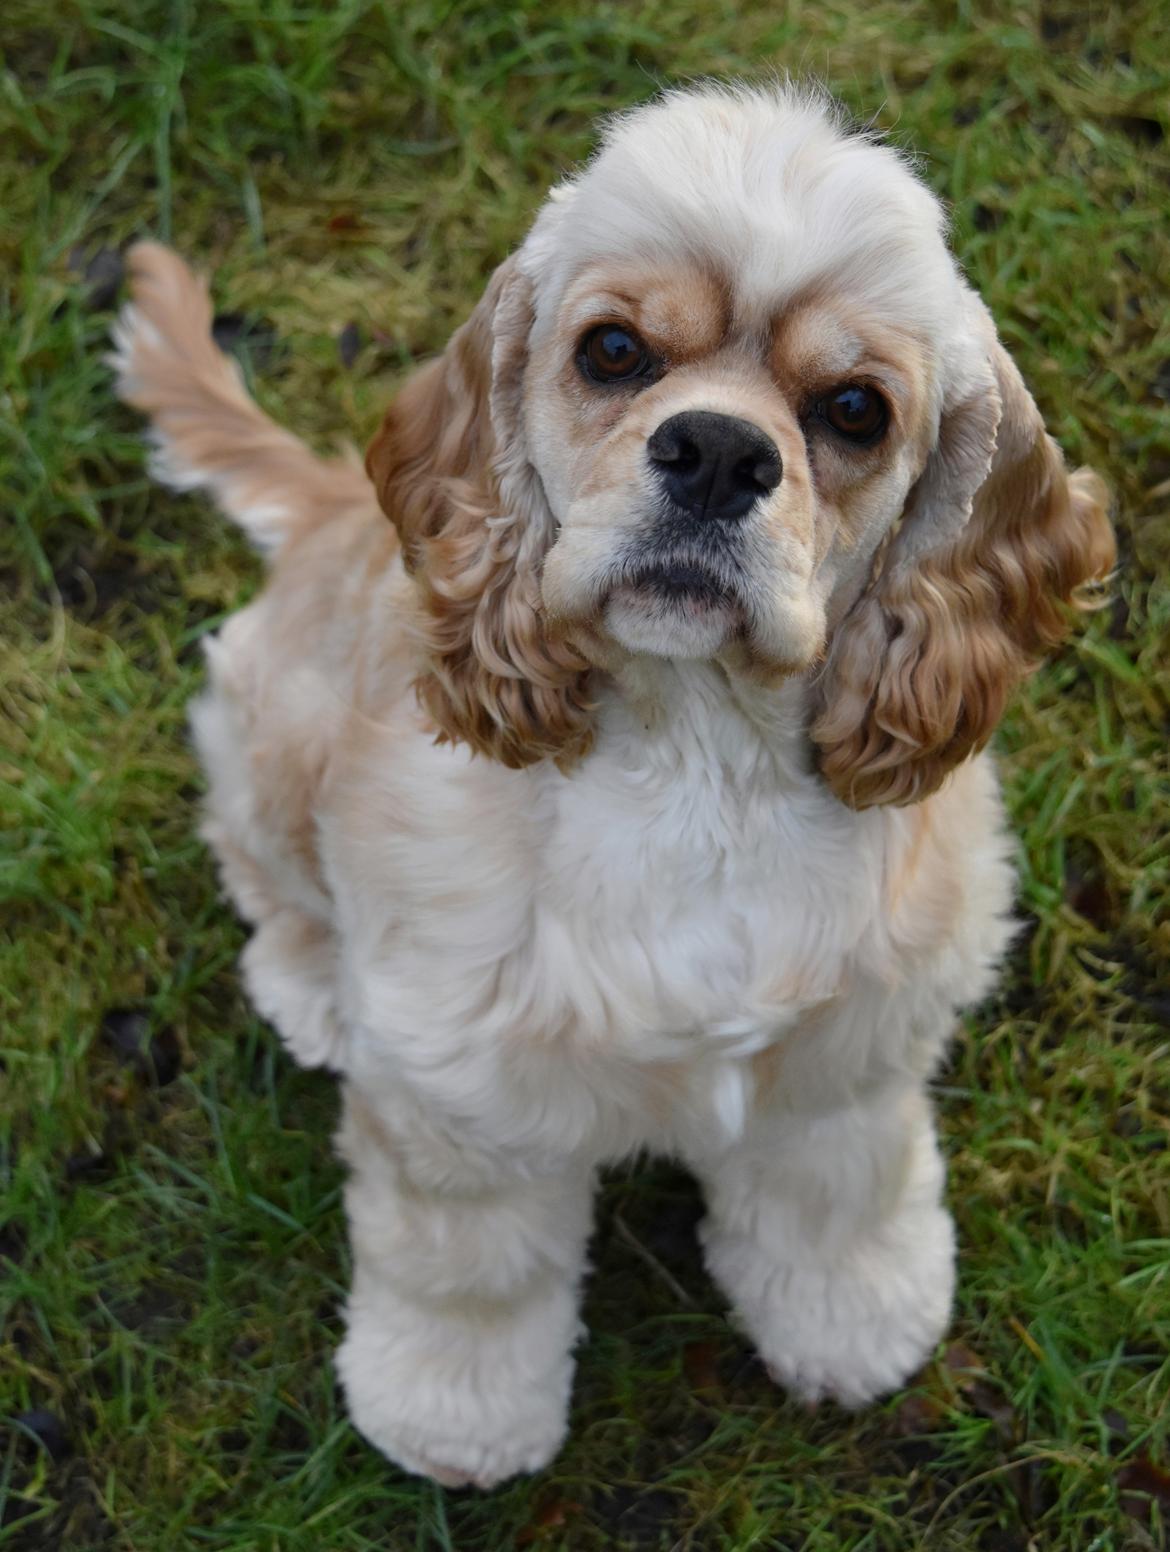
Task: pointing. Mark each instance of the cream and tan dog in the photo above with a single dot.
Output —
(624, 790)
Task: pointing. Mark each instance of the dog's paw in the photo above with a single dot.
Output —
(852, 1331)
(465, 1401)
(455, 1433)
(465, 1458)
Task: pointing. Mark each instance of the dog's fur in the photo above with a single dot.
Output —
(551, 868)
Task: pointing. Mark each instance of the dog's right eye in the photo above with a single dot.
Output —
(612, 354)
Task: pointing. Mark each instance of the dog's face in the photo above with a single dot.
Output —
(732, 400)
(717, 473)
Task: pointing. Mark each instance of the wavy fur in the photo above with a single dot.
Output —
(647, 919)
(493, 678)
(921, 671)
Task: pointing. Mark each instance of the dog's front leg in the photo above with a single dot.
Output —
(457, 1363)
(830, 1237)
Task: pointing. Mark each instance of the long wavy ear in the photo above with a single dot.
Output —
(998, 544)
(452, 473)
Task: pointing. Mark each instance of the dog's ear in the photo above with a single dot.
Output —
(997, 545)
(452, 473)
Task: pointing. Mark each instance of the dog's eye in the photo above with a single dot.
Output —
(611, 354)
(855, 412)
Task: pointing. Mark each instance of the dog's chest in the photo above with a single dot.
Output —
(591, 949)
(698, 900)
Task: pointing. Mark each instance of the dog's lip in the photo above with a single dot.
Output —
(677, 579)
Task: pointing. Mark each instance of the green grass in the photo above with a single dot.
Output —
(173, 1254)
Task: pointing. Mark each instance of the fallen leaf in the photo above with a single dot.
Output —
(1144, 1484)
(701, 1365)
(553, 1516)
(963, 1362)
(991, 1403)
(969, 1375)
(916, 1414)
(1090, 897)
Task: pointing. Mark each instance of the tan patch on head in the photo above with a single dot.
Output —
(682, 312)
(687, 311)
(826, 342)
(811, 345)
(822, 344)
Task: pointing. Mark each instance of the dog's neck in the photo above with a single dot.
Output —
(672, 712)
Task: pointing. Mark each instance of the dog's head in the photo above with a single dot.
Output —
(732, 400)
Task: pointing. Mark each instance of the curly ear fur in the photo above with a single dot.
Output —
(997, 542)
(450, 471)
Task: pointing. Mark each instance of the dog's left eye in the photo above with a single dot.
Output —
(855, 412)
(612, 354)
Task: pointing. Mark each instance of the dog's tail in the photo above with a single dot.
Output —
(208, 433)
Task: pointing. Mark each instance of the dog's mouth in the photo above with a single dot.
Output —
(674, 607)
(677, 584)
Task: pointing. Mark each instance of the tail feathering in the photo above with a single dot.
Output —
(207, 431)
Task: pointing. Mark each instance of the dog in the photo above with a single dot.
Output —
(600, 770)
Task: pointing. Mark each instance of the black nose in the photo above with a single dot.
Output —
(714, 465)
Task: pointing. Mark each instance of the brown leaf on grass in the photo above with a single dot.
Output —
(917, 1413)
(970, 1377)
(554, 1515)
(1144, 1484)
(701, 1365)
(991, 1403)
(1090, 897)
(963, 1363)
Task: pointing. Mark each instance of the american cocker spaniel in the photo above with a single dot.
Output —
(600, 769)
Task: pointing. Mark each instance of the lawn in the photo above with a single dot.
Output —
(172, 1251)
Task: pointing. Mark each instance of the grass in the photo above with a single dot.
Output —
(171, 1250)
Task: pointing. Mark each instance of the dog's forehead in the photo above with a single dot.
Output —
(765, 188)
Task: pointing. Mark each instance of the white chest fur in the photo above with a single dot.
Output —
(593, 960)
